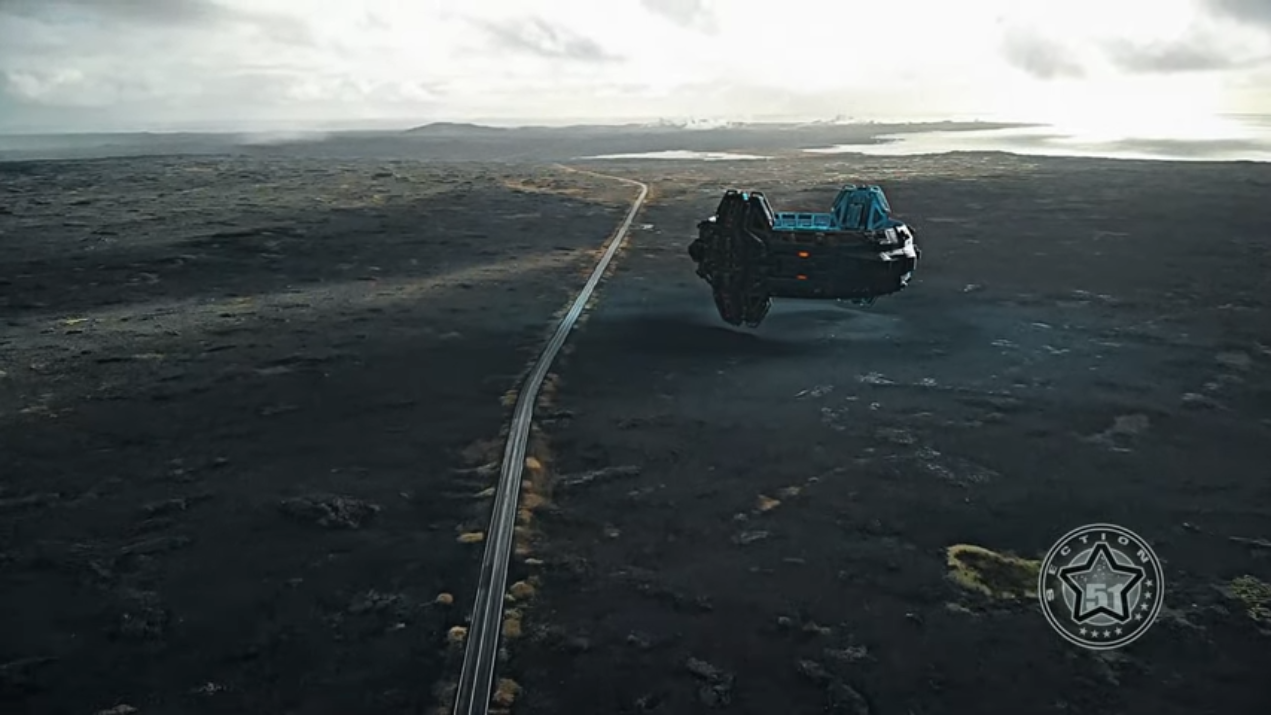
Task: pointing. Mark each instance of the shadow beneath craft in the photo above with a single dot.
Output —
(690, 335)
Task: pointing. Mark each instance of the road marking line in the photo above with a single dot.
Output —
(476, 681)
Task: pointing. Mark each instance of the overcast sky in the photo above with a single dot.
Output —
(112, 64)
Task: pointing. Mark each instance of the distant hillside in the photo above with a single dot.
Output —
(454, 129)
(467, 141)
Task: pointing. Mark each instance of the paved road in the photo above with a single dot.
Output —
(476, 686)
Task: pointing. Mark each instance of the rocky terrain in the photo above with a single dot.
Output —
(250, 410)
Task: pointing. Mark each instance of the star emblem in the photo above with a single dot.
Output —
(1102, 586)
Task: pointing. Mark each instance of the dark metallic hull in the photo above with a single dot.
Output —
(841, 267)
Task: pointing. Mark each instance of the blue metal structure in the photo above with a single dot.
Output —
(750, 254)
(856, 208)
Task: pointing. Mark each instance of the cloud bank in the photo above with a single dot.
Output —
(120, 64)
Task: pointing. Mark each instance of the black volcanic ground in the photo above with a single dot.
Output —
(251, 400)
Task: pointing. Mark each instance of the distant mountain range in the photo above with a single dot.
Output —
(467, 130)
(466, 141)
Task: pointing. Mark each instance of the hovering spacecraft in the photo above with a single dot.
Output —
(750, 254)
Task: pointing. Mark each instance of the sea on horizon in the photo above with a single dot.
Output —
(1224, 138)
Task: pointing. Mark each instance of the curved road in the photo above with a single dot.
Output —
(476, 680)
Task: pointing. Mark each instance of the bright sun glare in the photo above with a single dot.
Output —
(1110, 110)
